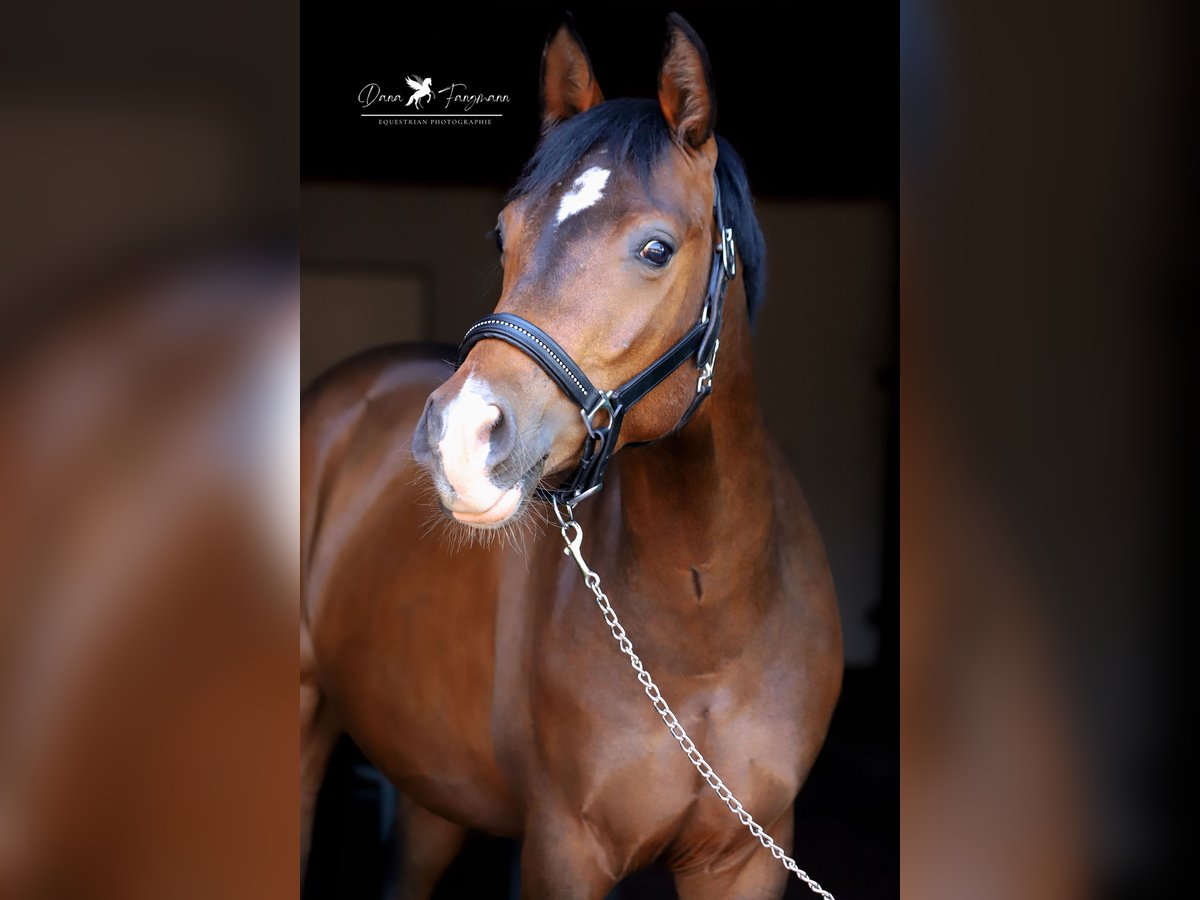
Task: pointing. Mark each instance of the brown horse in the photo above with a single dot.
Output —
(477, 674)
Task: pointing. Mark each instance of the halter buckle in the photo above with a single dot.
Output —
(604, 404)
(728, 252)
(705, 382)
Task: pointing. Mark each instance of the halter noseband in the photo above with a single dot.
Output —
(700, 343)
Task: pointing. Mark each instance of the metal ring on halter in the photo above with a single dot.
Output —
(559, 508)
(604, 404)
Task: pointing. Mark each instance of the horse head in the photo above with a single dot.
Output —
(606, 243)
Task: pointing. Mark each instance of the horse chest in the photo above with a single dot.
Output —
(595, 750)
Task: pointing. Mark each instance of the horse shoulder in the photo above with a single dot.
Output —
(401, 621)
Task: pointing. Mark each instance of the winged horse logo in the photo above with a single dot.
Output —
(421, 91)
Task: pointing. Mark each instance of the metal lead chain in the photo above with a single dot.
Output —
(572, 533)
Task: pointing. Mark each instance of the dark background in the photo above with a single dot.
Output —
(807, 92)
(808, 96)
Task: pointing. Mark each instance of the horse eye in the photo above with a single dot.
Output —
(498, 236)
(656, 252)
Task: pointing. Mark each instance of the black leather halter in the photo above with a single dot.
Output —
(700, 343)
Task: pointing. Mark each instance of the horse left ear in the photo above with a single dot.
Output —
(685, 90)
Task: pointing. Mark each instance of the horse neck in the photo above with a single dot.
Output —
(697, 508)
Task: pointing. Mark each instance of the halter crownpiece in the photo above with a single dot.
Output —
(700, 343)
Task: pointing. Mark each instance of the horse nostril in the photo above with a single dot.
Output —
(502, 434)
(423, 438)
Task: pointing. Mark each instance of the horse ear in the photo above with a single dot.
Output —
(568, 84)
(685, 90)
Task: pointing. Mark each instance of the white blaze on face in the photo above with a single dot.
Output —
(464, 449)
(587, 190)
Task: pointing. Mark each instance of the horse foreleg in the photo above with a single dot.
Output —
(561, 858)
(748, 873)
(319, 731)
(427, 844)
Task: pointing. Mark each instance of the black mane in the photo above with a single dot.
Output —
(635, 132)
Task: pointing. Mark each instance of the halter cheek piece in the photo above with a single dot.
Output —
(700, 343)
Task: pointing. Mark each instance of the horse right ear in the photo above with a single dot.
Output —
(568, 84)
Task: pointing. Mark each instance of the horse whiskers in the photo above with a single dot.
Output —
(526, 525)
(513, 534)
(516, 534)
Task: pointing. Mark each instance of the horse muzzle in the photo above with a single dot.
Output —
(468, 439)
